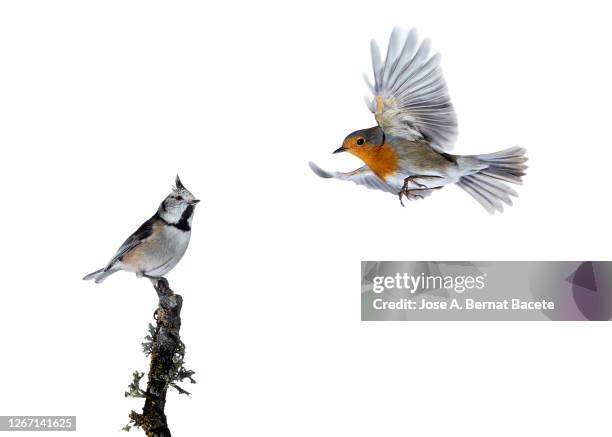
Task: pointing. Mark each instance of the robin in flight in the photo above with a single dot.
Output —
(406, 154)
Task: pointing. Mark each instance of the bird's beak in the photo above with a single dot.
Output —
(341, 149)
(194, 201)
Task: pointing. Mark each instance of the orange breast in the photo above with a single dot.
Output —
(382, 160)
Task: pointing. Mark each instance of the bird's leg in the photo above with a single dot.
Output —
(405, 191)
(413, 179)
(152, 278)
(156, 280)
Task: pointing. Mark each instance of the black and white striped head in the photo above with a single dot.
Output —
(178, 207)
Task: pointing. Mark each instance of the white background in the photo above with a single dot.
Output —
(102, 103)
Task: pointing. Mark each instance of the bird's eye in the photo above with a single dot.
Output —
(360, 141)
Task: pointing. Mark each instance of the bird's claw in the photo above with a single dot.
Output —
(405, 191)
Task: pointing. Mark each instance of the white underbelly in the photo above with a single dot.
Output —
(162, 253)
(172, 247)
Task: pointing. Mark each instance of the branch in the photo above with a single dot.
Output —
(167, 352)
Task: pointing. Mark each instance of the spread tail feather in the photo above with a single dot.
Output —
(99, 275)
(487, 185)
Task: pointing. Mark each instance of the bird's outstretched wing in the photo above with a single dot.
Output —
(410, 96)
(362, 176)
(142, 233)
(366, 177)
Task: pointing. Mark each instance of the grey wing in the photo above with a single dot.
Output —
(142, 233)
(410, 96)
(366, 177)
(362, 176)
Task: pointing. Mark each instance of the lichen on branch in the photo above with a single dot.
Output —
(166, 352)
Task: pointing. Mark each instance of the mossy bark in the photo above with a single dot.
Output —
(162, 367)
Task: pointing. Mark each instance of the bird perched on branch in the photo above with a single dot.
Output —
(159, 243)
(406, 154)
